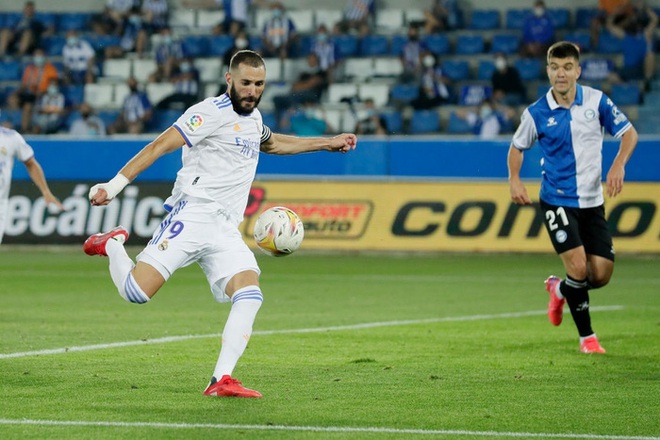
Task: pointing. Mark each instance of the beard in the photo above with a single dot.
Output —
(238, 103)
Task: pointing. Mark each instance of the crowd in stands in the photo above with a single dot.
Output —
(361, 67)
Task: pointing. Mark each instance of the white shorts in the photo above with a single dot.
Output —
(201, 233)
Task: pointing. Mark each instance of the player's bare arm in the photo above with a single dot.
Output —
(283, 144)
(170, 140)
(614, 182)
(37, 175)
(517, 189)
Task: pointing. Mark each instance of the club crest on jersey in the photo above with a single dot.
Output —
(589, 114)
(193, 123)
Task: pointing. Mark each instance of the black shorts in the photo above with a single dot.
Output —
(569, 228)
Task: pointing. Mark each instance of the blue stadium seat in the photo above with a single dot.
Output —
(404, 93)
(474, 94)
(269, 119)
(70, 119)
(484, 19)
(608, 43)
(304, 46)
(196, 45)
(485, 70)
(584, 16)
(162, 120)
(626, 94)
(53, 44)
(48, 19)
(560, 17)
(396, 44)
(542, 89)
(582, 39)
(458, 126)
(10, 70)
(424, 121)
(9, 19)
(456, 70)
(108, 116)
(347, 45)
(393, 121)
(515, 18)
(437, 43)
(100, 42)
(529, 68)
(374, 45)
(13, 116)
(505, 43)
(255, 43)
(74, 94)
(219, 44)
(73, 20)
(469, 44)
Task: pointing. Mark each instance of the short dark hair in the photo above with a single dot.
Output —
(249, 57)
(564, 49)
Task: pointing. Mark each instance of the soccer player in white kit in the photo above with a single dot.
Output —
(221, 139)
(13, 145)
(568, 125)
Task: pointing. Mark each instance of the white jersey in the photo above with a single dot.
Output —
(12, 145)
(220, 157)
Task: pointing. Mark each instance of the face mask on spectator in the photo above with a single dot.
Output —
(185, 67)
(135, 19)
(39, 60)
(277, 13)
(538, 11)
(485, 112)
(322, 37)
(52, 90)
(241, 43)
(428, 61)
(72, 41)
(167, 39)
(500, 63)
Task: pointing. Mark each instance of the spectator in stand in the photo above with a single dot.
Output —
(134, 37)
(278, 35)
(487, 120)
(538, 32)
(358, 17)
(326, 52)
(24, 36)
(508, 87)
(599, 22)
(168, 52)
(37, 75)
(308, 87)
(442, 16)
(370, 121)
(50, 111)
(434, 85)
(599, 69)
(136, 111)
(241, 42)
(411, 57)
(79, 60)
(88, 125)
(155, 15)
(636, 30)
(112, 19)
(186, 88)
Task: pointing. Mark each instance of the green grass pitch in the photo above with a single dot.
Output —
(345, 347)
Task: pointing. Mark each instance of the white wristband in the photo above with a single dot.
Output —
(112, 188)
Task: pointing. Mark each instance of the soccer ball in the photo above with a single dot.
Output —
(278, 231)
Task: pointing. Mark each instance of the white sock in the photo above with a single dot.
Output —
(238, 328)
(120, 272)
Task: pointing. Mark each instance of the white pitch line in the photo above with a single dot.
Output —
(168, 339)
(451, 432)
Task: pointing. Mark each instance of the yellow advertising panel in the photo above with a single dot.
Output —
(441, 216)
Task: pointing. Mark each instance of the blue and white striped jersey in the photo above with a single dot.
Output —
(571, 141)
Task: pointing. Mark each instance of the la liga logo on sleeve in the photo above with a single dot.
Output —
(193, 123)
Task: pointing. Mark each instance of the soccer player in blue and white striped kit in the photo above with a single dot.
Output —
(568, 125)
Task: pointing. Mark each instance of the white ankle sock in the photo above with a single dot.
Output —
(238, 328)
